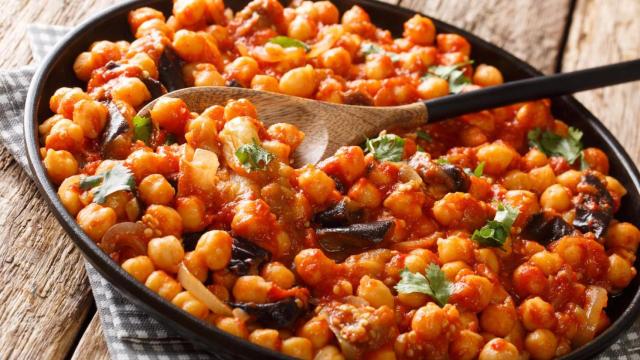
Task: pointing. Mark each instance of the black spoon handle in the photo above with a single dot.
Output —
(531, 89)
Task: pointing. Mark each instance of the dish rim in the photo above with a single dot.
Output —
(197, 330)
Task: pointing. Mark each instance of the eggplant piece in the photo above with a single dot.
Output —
(546, 228)
(276, 315)
(154, 86)
(170, 70)
(246, 256)
(341, 214)
(594, 206)
(453, 177)
(111, 65)
(116, 126)
(341, 242)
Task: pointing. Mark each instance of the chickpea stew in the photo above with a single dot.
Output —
(491, 235)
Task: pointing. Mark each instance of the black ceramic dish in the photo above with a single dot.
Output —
(111, 24)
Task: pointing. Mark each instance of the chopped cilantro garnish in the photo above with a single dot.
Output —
(569, 147)
(452, 73)
(119, 178)
(433, 284)
(477, 172)
(424, 136)
(142, 128)
(253, 156)
(386, 147)
(496, 231)
(286, 42)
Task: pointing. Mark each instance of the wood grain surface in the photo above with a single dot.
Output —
(603, 33)
(530, 29)
(45, 297)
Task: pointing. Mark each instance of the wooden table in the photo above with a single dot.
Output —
(46, 302)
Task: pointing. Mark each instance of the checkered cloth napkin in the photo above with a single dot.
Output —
(130, 333)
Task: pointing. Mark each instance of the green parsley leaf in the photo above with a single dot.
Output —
(119, 178)
(253, 156)
(286, 42)
(368, 48)
(477, 172)
(433, 284)
(442, 161)
(496, 231)
(584, 165)
(551, 144)
(452, 73)
(420, 149)
(142, 128)
(386, 147)
(424, 136)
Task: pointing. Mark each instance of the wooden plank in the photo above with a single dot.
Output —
(602, 33)
(45, 295)
(530, 29)
(92, 344)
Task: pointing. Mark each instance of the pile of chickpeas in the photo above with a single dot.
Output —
(523, 300)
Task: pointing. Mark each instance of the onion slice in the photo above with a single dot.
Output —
(596, 301)
(200, 292)
(125, 235)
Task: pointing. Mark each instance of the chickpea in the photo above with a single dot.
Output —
(466, 345)
(140, 15)
(536, 313)
(525, 201)
(623, 235)
(91, 116)
(541, 344)
(534, 158)
(453, 43)
(548, 262)
(497, 157)
(412, 300)
(196, 47)
(155, 189)
(317, 331)
(192, 212)
(280, 150)
(455, 248)
(428, 322)
(298, 347)
(278, 274)
(487, 75)
(542, 178)
(64, 99)
(499, 349)
(131, 91)
(556, 197)
(163, 284)
(146, 63)
(326, 12)
(233, 326)
(153, 26)
(95, 220)
(69, 193)
(489, 258)
(242, 69)
(315, 184)
(170, 114)
(415, 263)
(451, 269)
(251, 288)
(337, 59)
(433, 87)
(140, 267)
(312, 265)
(265, 83)
(143, 162)
(207, 75)
(215, 247)
(268, 338)
(300, 81)
(238, 108)
(406, 201)
(189, 12)
(166, 253)
(253, 218)
(498, 319)
(472, 292)
(60, 165)
(329, 352)
(620, 272)
(302, 28)
(366, 194)
(287, 134)
(375, 292)
(596, 159)
(190, 304)
(569, 179)
(196, 264)
(164, 220)
(65, 135)
(529, 279)
(420, 30)
(348, 164)
(84, 65)
(378, 67)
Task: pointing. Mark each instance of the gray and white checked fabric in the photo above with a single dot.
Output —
(129, 332)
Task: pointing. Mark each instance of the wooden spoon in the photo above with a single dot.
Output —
(328, 126)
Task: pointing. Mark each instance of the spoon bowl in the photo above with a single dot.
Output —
(326, 126)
